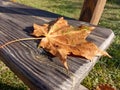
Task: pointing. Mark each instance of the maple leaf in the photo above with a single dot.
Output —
(62, 39)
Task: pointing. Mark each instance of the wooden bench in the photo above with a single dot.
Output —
(32, 65)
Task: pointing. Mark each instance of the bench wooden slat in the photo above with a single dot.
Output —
(33, 65)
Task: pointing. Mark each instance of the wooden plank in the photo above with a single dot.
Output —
(81, 87)
(26, 10)
(31, 64)
(92, 11)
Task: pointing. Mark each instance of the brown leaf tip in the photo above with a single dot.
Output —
(105, 87)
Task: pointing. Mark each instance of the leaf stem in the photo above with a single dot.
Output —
(17, 40)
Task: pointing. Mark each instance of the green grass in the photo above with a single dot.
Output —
(57, 6)
(8, 80)
(105, 71)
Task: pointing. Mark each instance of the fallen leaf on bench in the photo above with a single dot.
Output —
(62, 39)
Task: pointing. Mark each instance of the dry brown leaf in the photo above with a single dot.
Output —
(62, 39)
(13, 0)
(104, 87)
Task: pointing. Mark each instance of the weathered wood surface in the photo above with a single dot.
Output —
(92, 11)
(34, 65)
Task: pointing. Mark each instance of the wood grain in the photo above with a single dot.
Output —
(33, 65)
(92, 11)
